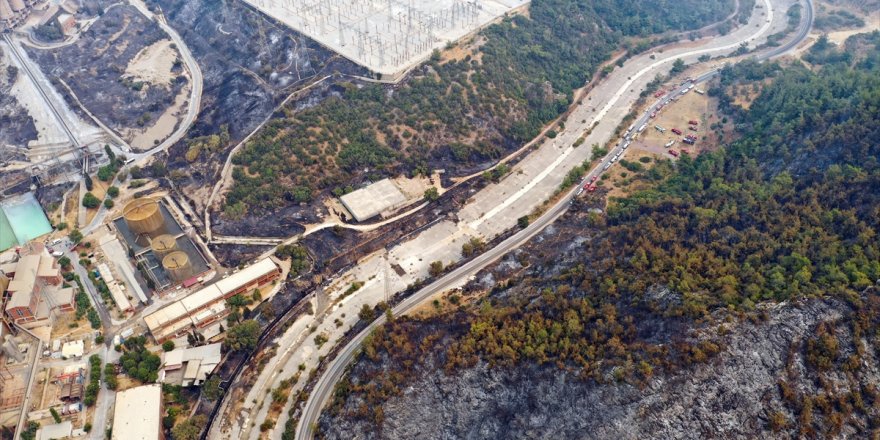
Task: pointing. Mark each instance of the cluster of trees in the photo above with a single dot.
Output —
(83, 304)
(836, 19)
(91, 393)
(210, 144)
(298, 255)
(138, 362)
(243, 336)
(462, 111)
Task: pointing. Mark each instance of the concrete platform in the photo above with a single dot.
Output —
(386, 36)
(372, 200)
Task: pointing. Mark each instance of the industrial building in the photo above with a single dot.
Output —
(33, 288)
(373, 199)
(117, 288)
(138, 413)
(202, 310)
(166, 255)
(13, 12)
(190, 366)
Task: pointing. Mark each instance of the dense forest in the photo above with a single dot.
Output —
(466, 107)
(788, 212)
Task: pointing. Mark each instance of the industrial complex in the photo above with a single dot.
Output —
(388, 37)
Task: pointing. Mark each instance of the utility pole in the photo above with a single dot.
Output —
(385, 274)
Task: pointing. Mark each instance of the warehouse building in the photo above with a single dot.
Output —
(373, 200)
(138, 413)
(190, 366)
(202, 310)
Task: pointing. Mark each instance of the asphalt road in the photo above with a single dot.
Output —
(335, 370)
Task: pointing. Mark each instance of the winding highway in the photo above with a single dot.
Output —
(336, 368)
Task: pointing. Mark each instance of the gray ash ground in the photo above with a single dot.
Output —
(16, 126)
(250, 64)
(94, 66)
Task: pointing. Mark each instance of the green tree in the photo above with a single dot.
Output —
(435, 269)
(64, 262)
(168, 345)
(432, 194)
(523, 222)
(190, 428)
(75, 236)
(366, 313)
(108, 203)
(243, 336)
(90, 201)
(113, 191)
(211, 388)
(678, 66)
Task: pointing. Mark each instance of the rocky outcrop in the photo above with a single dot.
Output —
(731, 396)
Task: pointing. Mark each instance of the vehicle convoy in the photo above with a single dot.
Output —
(642, 128)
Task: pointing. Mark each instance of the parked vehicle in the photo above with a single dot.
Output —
(693, 122)
(676, 131)
(674, 153)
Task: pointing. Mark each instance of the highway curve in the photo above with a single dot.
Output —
(335, 370)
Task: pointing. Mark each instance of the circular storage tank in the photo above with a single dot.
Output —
(163, 245)
(177, 265)
(143, 215)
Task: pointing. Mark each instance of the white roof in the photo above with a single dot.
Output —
(56, 431)
(191, 306)
(207, 354)
(200, 361)
(138, 413)
(371, 200)
(247, 275)
(72, 349)
(106, 273)
(201, 298)
(119, 297)
(165, 315)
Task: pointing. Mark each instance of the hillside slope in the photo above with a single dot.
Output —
(737, 297)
